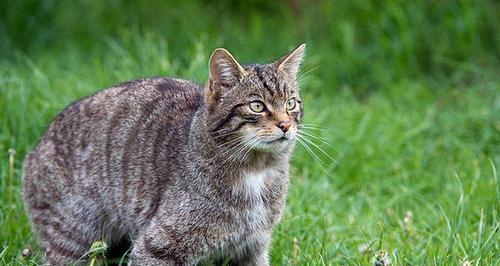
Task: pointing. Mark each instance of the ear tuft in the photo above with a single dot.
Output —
(290, 63)
(223, 68)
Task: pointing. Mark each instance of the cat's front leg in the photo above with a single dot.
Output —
(256, 259)
(156, 250)
(256, 252)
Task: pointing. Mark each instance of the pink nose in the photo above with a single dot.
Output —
(284, 125)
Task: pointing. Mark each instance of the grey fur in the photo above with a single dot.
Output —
(169, 164)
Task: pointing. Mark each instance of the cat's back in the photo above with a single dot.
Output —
(112, 112)
(116, 134)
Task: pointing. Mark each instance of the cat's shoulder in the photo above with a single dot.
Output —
(144, 90)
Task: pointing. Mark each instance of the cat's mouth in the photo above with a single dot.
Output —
(279, 140)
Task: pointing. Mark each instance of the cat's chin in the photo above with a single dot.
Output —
(273, 146)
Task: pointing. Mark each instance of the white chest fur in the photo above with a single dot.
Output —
(253, 183)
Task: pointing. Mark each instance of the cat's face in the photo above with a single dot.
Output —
(256, 106)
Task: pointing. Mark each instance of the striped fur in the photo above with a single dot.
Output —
(169, 164)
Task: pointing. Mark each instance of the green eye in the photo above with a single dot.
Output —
(257, 106)
(290, 104)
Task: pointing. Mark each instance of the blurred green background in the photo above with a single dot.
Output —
(402, 101)
(361, 44)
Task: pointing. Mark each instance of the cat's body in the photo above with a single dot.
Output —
(154, 161)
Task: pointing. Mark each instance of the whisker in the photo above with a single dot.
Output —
(318, 147)
(218, 136)
(228, 143)
(315, 157)
(312, 127)
(311, 134)
(320, 139)
(311, 124)
(235, 152)
(250, 146)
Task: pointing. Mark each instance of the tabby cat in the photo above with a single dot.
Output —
(189, 174)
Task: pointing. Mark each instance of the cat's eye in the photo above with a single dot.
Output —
(291, 104)
(257, 106)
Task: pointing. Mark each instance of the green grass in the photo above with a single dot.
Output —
(406, 94)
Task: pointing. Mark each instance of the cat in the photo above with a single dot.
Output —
(189, 173)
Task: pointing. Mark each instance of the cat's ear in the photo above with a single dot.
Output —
(223, 68)
(290, 63)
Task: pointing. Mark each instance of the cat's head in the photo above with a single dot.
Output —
(254, 106)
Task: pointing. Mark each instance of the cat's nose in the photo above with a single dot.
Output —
(284, 125)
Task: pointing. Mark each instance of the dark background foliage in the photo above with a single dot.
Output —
(361, 44)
